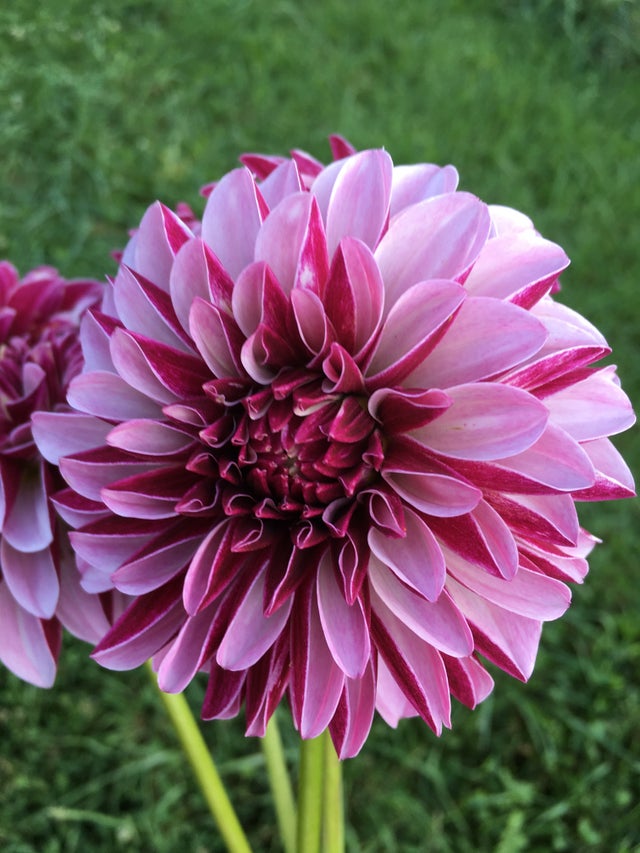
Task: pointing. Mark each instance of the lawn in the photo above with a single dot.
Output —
(106, 106)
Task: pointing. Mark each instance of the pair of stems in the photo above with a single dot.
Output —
(318, 826)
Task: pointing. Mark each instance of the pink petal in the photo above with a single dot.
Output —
(292, 241)
(88, 472)
(31, 578)
(416, 666)
(345, 626)
(426, 483)
(550, 518)
(24, 643)
(250, 633)
(593, 408)
(150, 494)
(232, 218)
(77, 510)
(107, 395)
(283, 181)
(613, 477)
(391, 703)
(316, 680)
(554, 463)
(518, 267)
(94, 337)
(438, 623)
(508, 640)
(311, 321)
(27, 526)
(527, 593)
(197, 272)
(145, 626)
(439, 238)
(354, 296)
(359, 201)
(109, 542)
(130, 362)
(416, 183)
(158, 560)
(149, 438)
(485, 421)
(400, 409)
(412, 329)
(186, 654)
(506, 220)
(416, 559)
(470, 683)
(486, 337)
(258, 299)
(140, 312)
(81, 614)
(352, 720)
(217, 337)
(63, 433)
(159, 236)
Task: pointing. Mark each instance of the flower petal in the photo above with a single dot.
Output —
(31, 578)
(439, 238)
(416, 559)
(345, 626)
(485, 421)
(232, 218)
(27, 645)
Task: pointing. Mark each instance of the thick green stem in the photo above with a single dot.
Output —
(333, 803)
(280, 785)
(310, 790)
(205, 770)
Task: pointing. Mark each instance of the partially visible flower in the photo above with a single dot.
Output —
(343, 430)
(39, 586)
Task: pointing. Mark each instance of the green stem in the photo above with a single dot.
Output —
(310, 790)
(333, 803)
(205, 770)
(280, 785)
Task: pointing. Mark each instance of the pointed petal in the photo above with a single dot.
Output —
(345, 626)
(62, 433)
(144, 628)
(359, 201)
(485, 421)
(438, 238)
(292, 241)
(250, 633)
(232, 218)
(438, 623)
(27, 526)
(197, 272)
(107, 395)
(508, 640)
(218, 338)
(517, 267)
(316, 680)
(416, 183)
(31, 578)
(416, 559)
(415, 665)
(25, 643)
(158, 238)
(486, 337)
(413, 327)
(352, 720)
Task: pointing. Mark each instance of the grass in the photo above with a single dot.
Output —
(109, 105)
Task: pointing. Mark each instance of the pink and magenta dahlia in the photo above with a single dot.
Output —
(343, 431)
(39, 586)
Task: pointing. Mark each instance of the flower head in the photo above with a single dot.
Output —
(344, 427)
(39, 355)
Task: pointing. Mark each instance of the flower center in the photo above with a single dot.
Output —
(293, 458)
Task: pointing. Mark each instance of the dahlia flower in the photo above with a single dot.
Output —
(342, 431)
(39, 585)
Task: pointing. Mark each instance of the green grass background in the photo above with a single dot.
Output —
(106, 106)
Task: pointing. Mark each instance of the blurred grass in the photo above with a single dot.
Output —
(106, 106)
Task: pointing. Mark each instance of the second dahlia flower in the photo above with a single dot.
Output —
(343, 429)
(39, 586)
